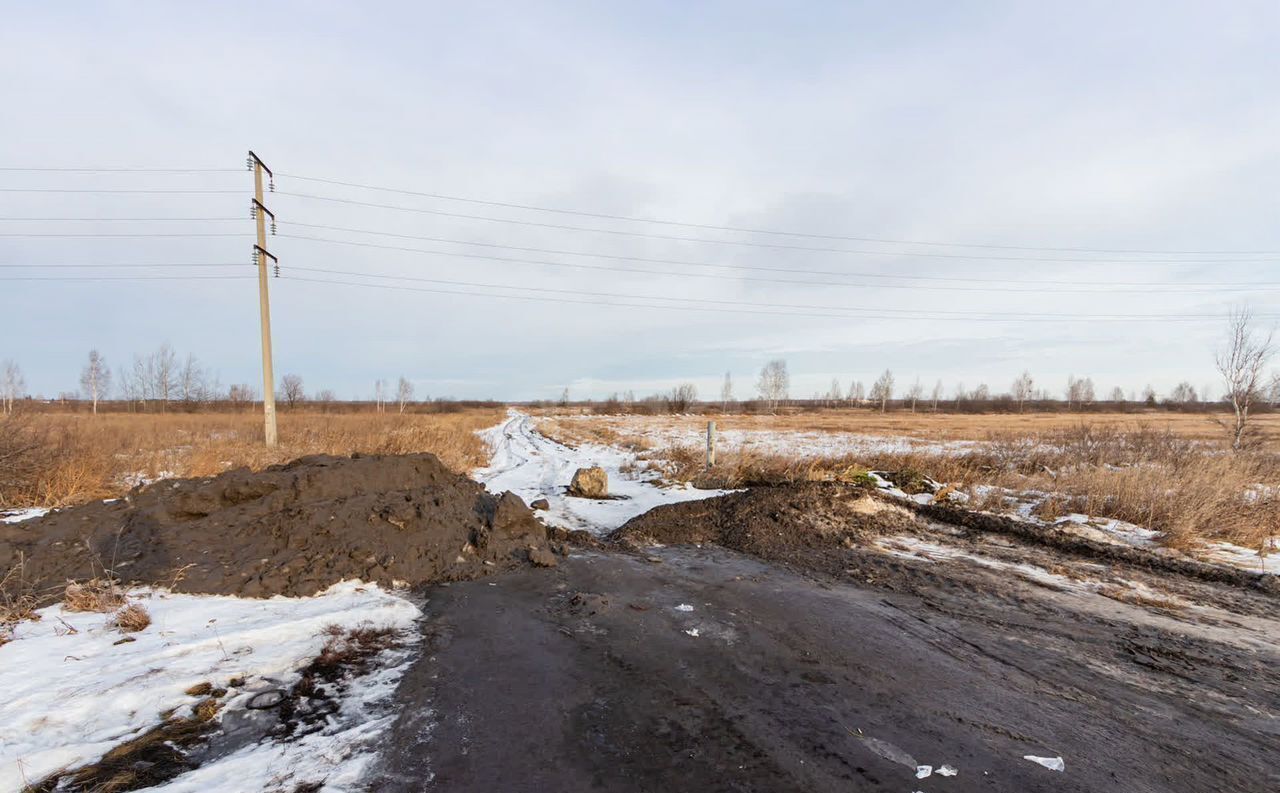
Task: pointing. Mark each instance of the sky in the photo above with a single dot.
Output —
(1151, 126)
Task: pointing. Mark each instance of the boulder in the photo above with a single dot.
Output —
(539, 503)
(590, 483)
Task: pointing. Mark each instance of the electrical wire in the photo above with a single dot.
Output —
(790, 270)
(124, 170)
(131, 220)
(114, 192)
(124, 277)
(128, 265)
(643, 271)
(742, 243)
(916, 313)
(130, 234)
(749, 230)
(701, 309)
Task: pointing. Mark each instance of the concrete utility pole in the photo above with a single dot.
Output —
(260, 255)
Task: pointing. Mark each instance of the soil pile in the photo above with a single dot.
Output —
(770, 522)
(292, 529)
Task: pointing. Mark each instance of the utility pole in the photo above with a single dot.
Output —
(260, 255)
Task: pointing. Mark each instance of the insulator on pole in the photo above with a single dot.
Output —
(273, 228)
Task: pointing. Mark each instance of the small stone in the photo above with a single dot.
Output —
(540, 503)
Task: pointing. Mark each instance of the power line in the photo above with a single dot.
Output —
(749, 230)
(114, 192)
(916, 313)
(124, 170)
(139, 220)
(742, 243)
(643, 271)
(127, 234)
(125, 265)
(759, 268)
(123, 277)
(702, 309)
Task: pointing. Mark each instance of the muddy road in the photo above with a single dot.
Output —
(700, 668)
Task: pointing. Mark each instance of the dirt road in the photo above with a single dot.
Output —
(706, 670)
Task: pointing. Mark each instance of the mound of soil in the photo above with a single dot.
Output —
(292, 529)
(771, 521)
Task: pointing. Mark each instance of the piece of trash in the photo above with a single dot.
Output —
(946, 770)
(1051, 763)
(923, 771)
(684, 607)
(692, 631)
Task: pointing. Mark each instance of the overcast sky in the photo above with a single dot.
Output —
(1149, 126)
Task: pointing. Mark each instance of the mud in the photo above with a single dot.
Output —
(293, 529)
(853, 641)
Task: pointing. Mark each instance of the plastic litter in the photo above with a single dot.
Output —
(1051, 763)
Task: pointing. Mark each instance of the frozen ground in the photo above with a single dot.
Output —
(73, 691)
(533, 466)
(662, 431)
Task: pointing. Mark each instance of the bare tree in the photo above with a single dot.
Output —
(1023, 388)
(882, 390)
(960, 395)
(291, 389)
(12, 385)
(193, 384)
(1149, 396)
(241, 395)
(325, 396)
(857, 392)
(1184, 394)
(937, 395)
(162, 369)
(95, 378)
(981, 394)
(564, 397)
(1240, 364)
(726, 392)
(379, 394)
(404, 393)
(681, 397)
(834, 393)
(774, 382)
(914, 393)
(1117, 395)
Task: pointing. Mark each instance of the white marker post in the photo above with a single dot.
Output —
(711, 445)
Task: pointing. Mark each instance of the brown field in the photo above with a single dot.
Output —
(972, 426)
(56, 459)
(1171, 472)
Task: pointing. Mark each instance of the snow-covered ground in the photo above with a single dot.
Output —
(72, 691)
(533, 466)
(19, 515)
(663, 431)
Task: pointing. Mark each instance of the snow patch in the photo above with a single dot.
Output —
(533, 466)
(71, 693)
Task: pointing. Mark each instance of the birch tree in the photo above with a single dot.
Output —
(774, 383)
(95, 379)
(914, 393)
(726, 392)
(882, 390)
(404, 393)
(1023, 388)
(12, 385)
(1240, 363)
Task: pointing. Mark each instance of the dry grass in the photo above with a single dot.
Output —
(62, 459)
(926, 425)
(97, 595)
(131, 619)
(1172, 475)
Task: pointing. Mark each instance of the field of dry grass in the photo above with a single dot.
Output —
(946, 426)
(1167, 472)
(59, 459)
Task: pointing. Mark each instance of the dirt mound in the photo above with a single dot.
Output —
(770, 521)
(292, 529)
